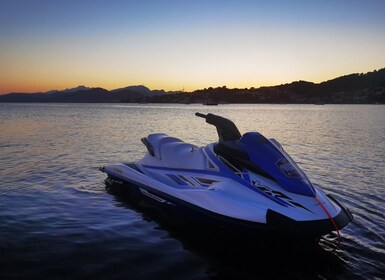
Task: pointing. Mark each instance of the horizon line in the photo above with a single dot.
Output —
(183, 88)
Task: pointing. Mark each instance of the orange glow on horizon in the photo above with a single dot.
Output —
(35, 84)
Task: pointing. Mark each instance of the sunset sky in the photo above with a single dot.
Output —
(58, 44)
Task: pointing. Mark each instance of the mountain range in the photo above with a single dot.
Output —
(368, 88)
(83, 94)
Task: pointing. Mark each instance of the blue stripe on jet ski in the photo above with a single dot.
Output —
(224, 172)
(246, 177)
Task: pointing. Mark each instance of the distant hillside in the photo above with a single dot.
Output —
(83, 94)
(366, 88)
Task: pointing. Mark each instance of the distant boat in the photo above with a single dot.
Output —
(210, 103)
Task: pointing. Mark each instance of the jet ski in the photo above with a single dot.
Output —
(244, 182)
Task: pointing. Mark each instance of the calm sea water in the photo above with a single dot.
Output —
(58, 221)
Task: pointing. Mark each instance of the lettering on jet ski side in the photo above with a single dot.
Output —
(277, 194)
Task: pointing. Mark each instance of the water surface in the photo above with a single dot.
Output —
(58, 221)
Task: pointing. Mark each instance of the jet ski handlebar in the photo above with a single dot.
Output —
(226, 129)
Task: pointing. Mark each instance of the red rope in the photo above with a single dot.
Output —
(331, 219)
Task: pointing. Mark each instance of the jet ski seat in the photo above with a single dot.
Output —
(174, 152)
(154, 141)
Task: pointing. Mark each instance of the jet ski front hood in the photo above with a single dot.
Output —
(277, 163)
(271, 161)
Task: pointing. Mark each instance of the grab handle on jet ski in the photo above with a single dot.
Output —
(227, 130)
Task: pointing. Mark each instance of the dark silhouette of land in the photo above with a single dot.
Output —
(361, 88)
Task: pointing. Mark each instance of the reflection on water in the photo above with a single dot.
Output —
(58, 220)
